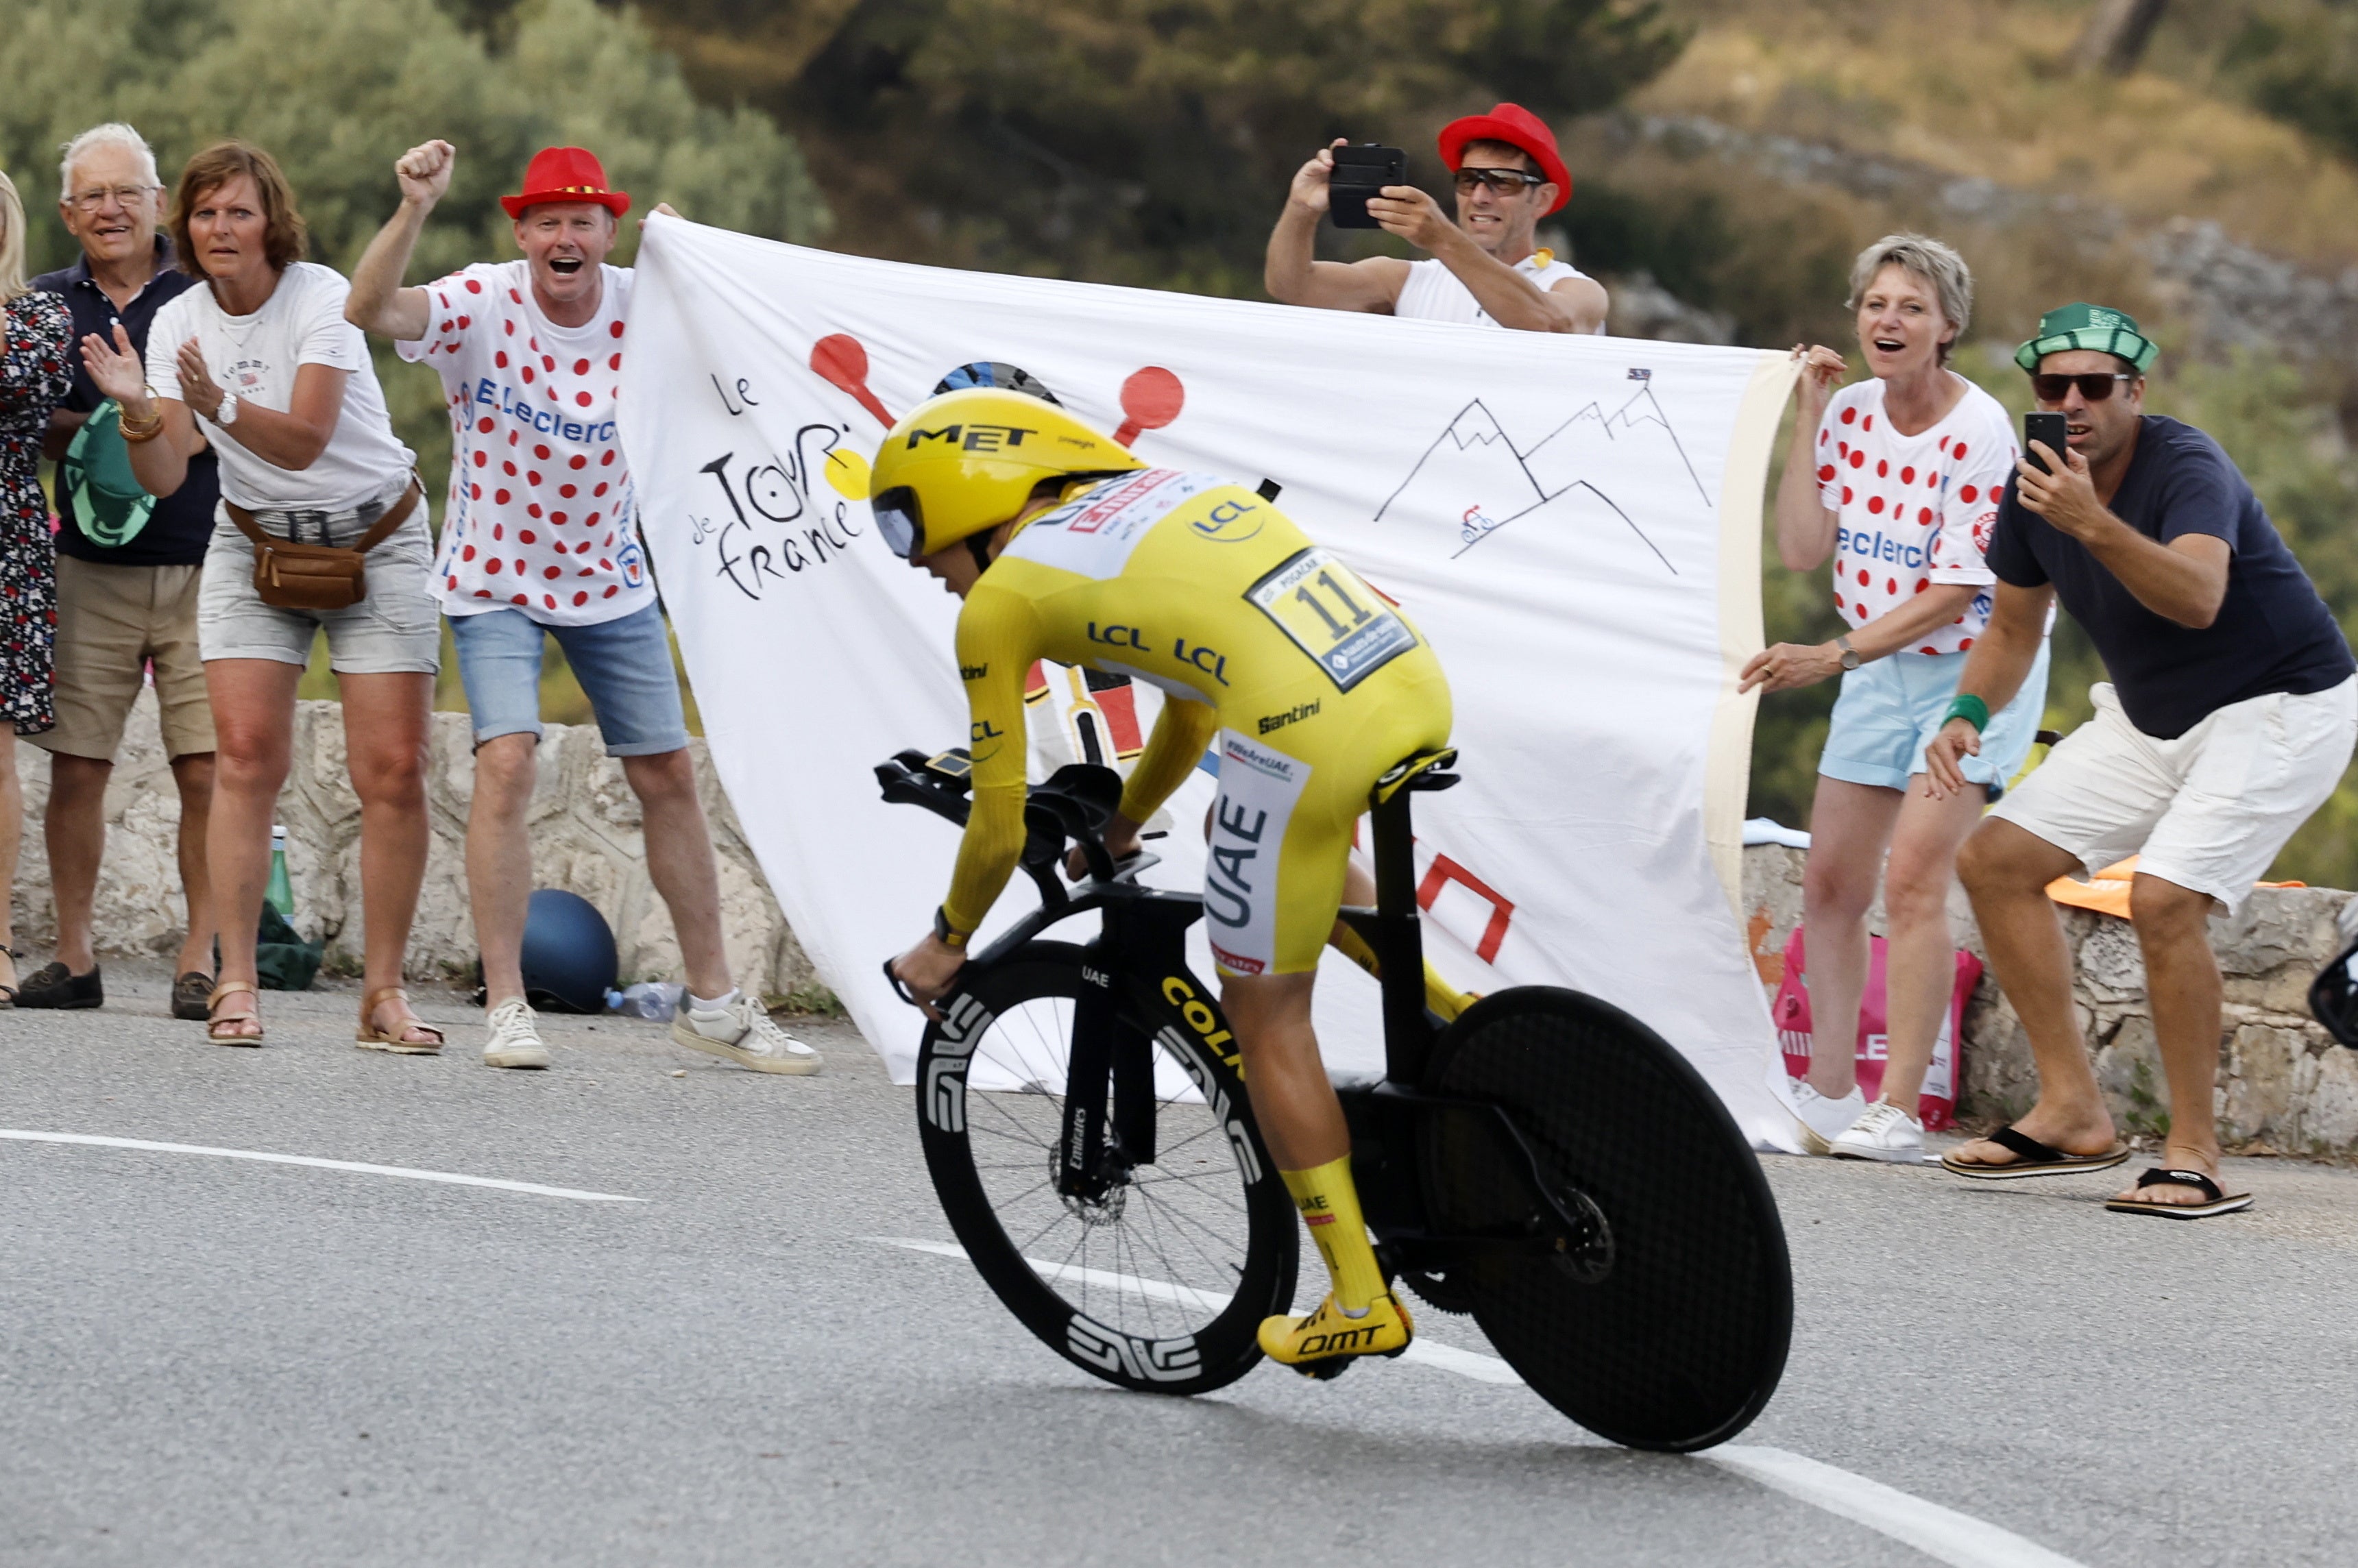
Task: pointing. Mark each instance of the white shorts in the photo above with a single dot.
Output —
(2207, 811)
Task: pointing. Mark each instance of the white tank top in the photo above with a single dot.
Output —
(1433, 292)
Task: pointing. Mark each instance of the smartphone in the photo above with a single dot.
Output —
(1360, 172)
(2047, 427)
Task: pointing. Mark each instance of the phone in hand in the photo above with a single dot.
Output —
(1360, 172)
(2047, 427)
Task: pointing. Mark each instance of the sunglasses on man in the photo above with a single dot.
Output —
(2096, 386)
(1501, 181)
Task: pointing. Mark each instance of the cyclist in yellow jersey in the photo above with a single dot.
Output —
(1064, 546)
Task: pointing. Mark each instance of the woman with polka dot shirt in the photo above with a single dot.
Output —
(1897, 479)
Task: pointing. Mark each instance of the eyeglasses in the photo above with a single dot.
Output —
(2096, 386)
(1501, 181)
(125, 196)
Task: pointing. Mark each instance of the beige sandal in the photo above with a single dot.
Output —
(215, 1017)
(370, 1038)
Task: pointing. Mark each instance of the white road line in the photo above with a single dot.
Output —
(1944, 1534)
(404, 1171)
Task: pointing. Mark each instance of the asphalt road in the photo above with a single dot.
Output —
(209, 1360)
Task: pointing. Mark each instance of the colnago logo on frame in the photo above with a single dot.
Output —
(1217, 1098)
(1154, 1360)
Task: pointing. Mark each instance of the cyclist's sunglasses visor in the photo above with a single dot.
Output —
(897, 520)
(2096, 386)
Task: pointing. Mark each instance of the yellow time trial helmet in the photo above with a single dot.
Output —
(968, 461)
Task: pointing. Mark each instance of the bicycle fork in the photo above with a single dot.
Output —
(1109, 1127)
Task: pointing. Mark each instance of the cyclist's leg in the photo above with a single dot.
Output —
(1273, 879)
(1359, 892)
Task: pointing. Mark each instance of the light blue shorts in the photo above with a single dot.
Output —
(1889, 710)
(623, 665)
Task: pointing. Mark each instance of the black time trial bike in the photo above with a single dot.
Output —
(1544, 1162)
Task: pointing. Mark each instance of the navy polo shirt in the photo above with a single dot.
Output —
(2273, 632)
(182, 523)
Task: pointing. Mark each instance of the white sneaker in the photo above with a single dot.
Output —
(744, 1033)
(1887, 1133)
(515, 1037)
(1820, 1118)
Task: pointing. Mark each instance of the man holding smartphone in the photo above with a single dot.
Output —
(1484, 269)
(2229, 716)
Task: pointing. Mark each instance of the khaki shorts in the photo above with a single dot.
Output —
(2209, 810)
(111, 622)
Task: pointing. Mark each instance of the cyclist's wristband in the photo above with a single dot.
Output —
(944, 933)
(1972, 709)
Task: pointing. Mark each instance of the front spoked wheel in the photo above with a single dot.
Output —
(1157, 1281)
(1660, 1315)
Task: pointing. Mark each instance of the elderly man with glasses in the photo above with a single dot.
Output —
(128, 571)
(2229, 716)
(1487, 268)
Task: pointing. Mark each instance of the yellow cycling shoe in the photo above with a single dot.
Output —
(1322, 1344)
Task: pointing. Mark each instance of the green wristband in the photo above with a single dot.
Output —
(1972, 709)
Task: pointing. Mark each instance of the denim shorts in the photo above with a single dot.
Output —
(1889, 710)
(623, 665)
(396, 630)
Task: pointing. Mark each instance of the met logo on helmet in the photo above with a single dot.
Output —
(975, 438)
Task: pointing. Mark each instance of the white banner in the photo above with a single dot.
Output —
(1574, 521)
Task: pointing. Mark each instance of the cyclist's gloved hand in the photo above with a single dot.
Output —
(928, 970)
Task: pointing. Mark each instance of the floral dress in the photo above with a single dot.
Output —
(36, 374)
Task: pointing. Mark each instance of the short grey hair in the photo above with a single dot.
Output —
(113, 134)
(1927, 260)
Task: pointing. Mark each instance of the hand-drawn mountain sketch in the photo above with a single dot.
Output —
(1475, 475)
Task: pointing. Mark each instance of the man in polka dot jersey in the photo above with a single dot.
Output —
(540, 538)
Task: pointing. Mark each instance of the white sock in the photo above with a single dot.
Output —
(700, 1011)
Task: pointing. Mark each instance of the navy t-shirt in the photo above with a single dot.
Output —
(182, 523)
(2273, 632)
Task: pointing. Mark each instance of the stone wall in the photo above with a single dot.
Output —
(585, 838)
(2283, 1086)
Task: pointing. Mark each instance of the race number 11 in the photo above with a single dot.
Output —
(1327, 611)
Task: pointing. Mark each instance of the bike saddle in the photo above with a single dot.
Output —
(1419, 770)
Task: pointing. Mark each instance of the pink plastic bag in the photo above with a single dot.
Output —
(1937, 1106)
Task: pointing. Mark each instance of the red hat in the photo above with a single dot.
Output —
(1517, 128)
(569, 174)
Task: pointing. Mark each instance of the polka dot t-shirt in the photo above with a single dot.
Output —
(540, 515)
(1913, 509)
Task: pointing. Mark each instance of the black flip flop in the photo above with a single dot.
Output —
(2215, 1202)
(2033, 1158)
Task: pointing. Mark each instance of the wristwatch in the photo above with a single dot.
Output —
(942, 932)
(226, 415)
(1850, 658)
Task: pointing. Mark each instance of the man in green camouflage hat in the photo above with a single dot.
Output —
(2231, 713)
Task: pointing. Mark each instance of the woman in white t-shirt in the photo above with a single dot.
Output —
(289, 399)
(1898, 478)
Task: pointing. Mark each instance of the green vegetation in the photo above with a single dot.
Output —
(1148, 142)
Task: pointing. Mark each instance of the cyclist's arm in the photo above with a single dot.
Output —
(997, 634)
(1182, 731)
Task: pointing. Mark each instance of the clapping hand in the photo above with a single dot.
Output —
(198, 388)
(424, 172)
(116, 368)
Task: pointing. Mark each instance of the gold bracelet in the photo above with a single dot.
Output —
(135, 430)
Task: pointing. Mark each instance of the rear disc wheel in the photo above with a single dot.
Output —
(1660, 1317)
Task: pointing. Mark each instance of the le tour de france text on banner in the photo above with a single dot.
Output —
(1574, 521)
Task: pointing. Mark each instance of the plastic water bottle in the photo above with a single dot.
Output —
(280, 895)
(655, 999)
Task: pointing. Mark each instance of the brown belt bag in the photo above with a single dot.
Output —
(290, 576)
